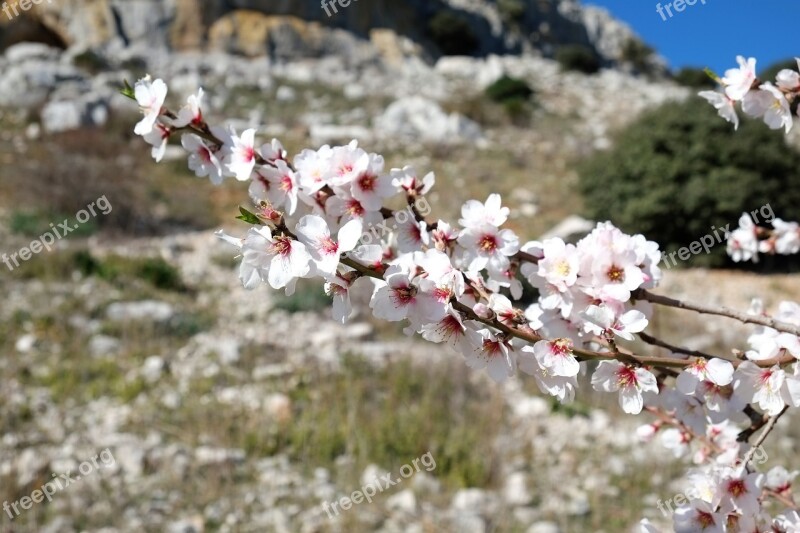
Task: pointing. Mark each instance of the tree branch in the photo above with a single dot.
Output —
(769, 322)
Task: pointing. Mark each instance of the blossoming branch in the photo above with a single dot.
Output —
(456, 284)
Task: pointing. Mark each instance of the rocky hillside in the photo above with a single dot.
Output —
(292, 28)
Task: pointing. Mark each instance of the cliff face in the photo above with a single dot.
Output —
(250, 26)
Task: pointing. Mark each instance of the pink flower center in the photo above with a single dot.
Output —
(282, 246)
(626, 377)
(286, 184)
(491, 348)
(443, 294)
(403, 296)
(449, 326)
(248, 153)
(705, 519)
(328, 247)
(487, 243)
(561, 347)
(355, 208)
(736, 487)
(366, 182)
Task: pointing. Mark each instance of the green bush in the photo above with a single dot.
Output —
(452, 33)
(507, 89)
(681, 169)
(637, 54)
(695, 78)
(771, 72)
(579, 58)
(511, 11)
(514, 95)
(91, 62)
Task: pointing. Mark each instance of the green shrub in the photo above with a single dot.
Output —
(680, 169)
(514, 95)
(511, 11)
(507, 89)
(452, 33)
(695, 78)
(637, 54)
(91, 62)
(578, 58)
(771, 72)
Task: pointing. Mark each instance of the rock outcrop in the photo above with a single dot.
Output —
(288, 28)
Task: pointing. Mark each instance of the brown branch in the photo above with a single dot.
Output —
(649, 339)
(770, 425)
(769, 322)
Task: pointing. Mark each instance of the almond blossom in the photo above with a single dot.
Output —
(326, 253)
(631, 382)
(493, 354)
(242, 154)
(202, 160)
(769, 103)
(716, 371)
(738, 81)
(150, 95)
(556, 357)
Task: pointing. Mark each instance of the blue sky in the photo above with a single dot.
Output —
(714, 34)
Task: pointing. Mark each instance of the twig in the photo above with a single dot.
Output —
(770, 425)
(649, 339)
(718, 311)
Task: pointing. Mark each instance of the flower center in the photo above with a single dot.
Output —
(491, 348)
(487, 243)
(404, 295)
(328, 247)
(705, 519)
(615, 274)
(366, 182)
(563, 268)
(736, 487)
(354, 208)
(282, 246)
(561, 347)
(626, 377)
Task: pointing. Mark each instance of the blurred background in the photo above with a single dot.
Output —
(228, 410)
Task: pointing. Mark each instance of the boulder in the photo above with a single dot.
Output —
(417, 118)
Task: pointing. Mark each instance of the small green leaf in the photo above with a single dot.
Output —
(248, 217)
(127, 90)
(713, 75)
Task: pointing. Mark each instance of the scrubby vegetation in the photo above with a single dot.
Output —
(679, 170)
(452, 33)
(579, 58)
